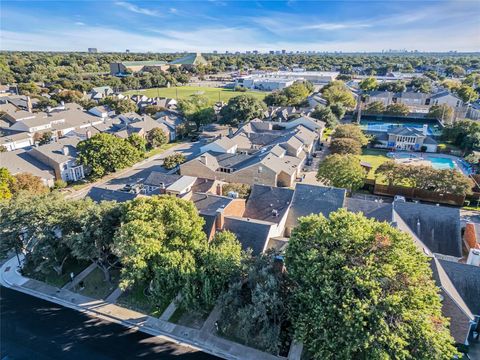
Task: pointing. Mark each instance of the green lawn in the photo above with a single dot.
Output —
(160, 149)
(375, 157)
(52, 278)
(95, 285)
(182, 92)
(136, 300)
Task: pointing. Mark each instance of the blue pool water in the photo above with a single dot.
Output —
(440, 163)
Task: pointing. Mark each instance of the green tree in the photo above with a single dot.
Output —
(441, 112)
(344, 146)
(7, 181)
(276, 98)
(463, 133)
(337, 92)
(394, 86)
(29, 183)
(326, 115)
(45, 138)
(105, 153)
(467, 94)
(339, 110)
(138, 142)
(366, 280)
(3, 149)
(350, 131)
(173, 160)
(342, 171)
(159, 242)
(242, 108)
(368, 84)
(296, 93)
(197, 109)
(455, 70)
(156, 137)
(397, 109)
(375, 107)
(421, 84)
(120, 106)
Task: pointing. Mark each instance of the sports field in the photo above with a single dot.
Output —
(214, 94)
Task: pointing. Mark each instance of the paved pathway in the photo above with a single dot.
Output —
(72, 284)
(112, 298)
(167, 314)
(201, 340)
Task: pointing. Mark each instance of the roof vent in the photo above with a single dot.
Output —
(275, 212)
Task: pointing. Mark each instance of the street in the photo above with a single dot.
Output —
(32, 328)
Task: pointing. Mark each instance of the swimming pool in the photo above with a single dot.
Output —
(441, 163)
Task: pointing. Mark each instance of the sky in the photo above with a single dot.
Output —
(208, 25)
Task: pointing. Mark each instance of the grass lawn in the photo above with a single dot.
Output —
(182, 92)
(95, 285)
(136, 300)
(190, 319)
(375, 157)
(52, 278)
(160, 149)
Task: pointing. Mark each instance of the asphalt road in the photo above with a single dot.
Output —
(32, 328)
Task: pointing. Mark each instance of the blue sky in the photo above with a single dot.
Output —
(361, 25)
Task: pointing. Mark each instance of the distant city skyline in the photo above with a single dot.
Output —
(320, 26)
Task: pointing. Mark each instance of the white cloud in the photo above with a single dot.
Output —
(173, 11)
(335, 26)
(79, 23)
(137, 9)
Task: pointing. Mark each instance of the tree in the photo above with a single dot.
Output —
(120, 106)
(394, 86)
(29, 183)
(7, 181)
(344, 146)
(366, 280)
(350, 131)
(375, 107)
(173, 160)
(3, 149)
(339, 110)
(156, 137)
(337, 92)
(441, 112)
(216, 269)
(242, 108)
(368, 84)
(105, 153)
(421, 84)
(45, 138)
(243, 190)
(326, 115)
(138, 142)
(197, 109)
(397, 109)
(254, 308)
(467, 94)
(159, 242)
(455, 71)
(342, 171)
(472, 80)
(91, 237)
(463, 133)
(276, 98)
(292, 95)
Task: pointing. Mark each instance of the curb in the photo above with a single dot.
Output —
(131, 325)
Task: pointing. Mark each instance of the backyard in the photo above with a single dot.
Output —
(213, 94)
(374, 157)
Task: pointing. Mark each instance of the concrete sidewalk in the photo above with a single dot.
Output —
(203, 339)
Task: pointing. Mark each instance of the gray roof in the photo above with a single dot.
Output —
(54, 150)
(209, 204)
(265, 200)
(20, 161)
(405, 131)
(100, 194)
(438, 227)
(312, 199)
(159, 179)
(379, 211)
(252, 234)
(466, 279)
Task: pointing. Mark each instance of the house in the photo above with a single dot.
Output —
(98, 93)
(173, 120)
(102, 111)
(21, 161)
(14, 140)
(222, 145)
(61, 156)
(181, 187)
(405, 138)
(157, 182)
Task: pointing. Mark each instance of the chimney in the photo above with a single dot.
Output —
(425, 129)
(203, 159)
(474, 257)
(219, 189)
(230, 132)
(65, 150)
(29, 104)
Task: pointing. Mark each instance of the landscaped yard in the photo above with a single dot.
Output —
(135, 299)
(188, 318)
(182, 92)
(374, 157)
(71, 266)
(95, 286)
(160, 149)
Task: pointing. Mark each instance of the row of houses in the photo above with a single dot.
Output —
(260, 152)
(266, 219)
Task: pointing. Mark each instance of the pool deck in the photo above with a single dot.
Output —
(423, 159)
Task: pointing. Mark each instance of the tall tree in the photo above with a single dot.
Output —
(326, 115)
(29, 183)
(344, 146)
(197, 109)
(242, 108)
(337, 92)
(342, 171)
(467, 94)
(441, 112)
(350, 131)
(7, 181)
(367, 281)
(375, 107)
(397, 109)
(156, 137)
(368, 84)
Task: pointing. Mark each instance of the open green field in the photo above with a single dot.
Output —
(182, 92)
(375, 157)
